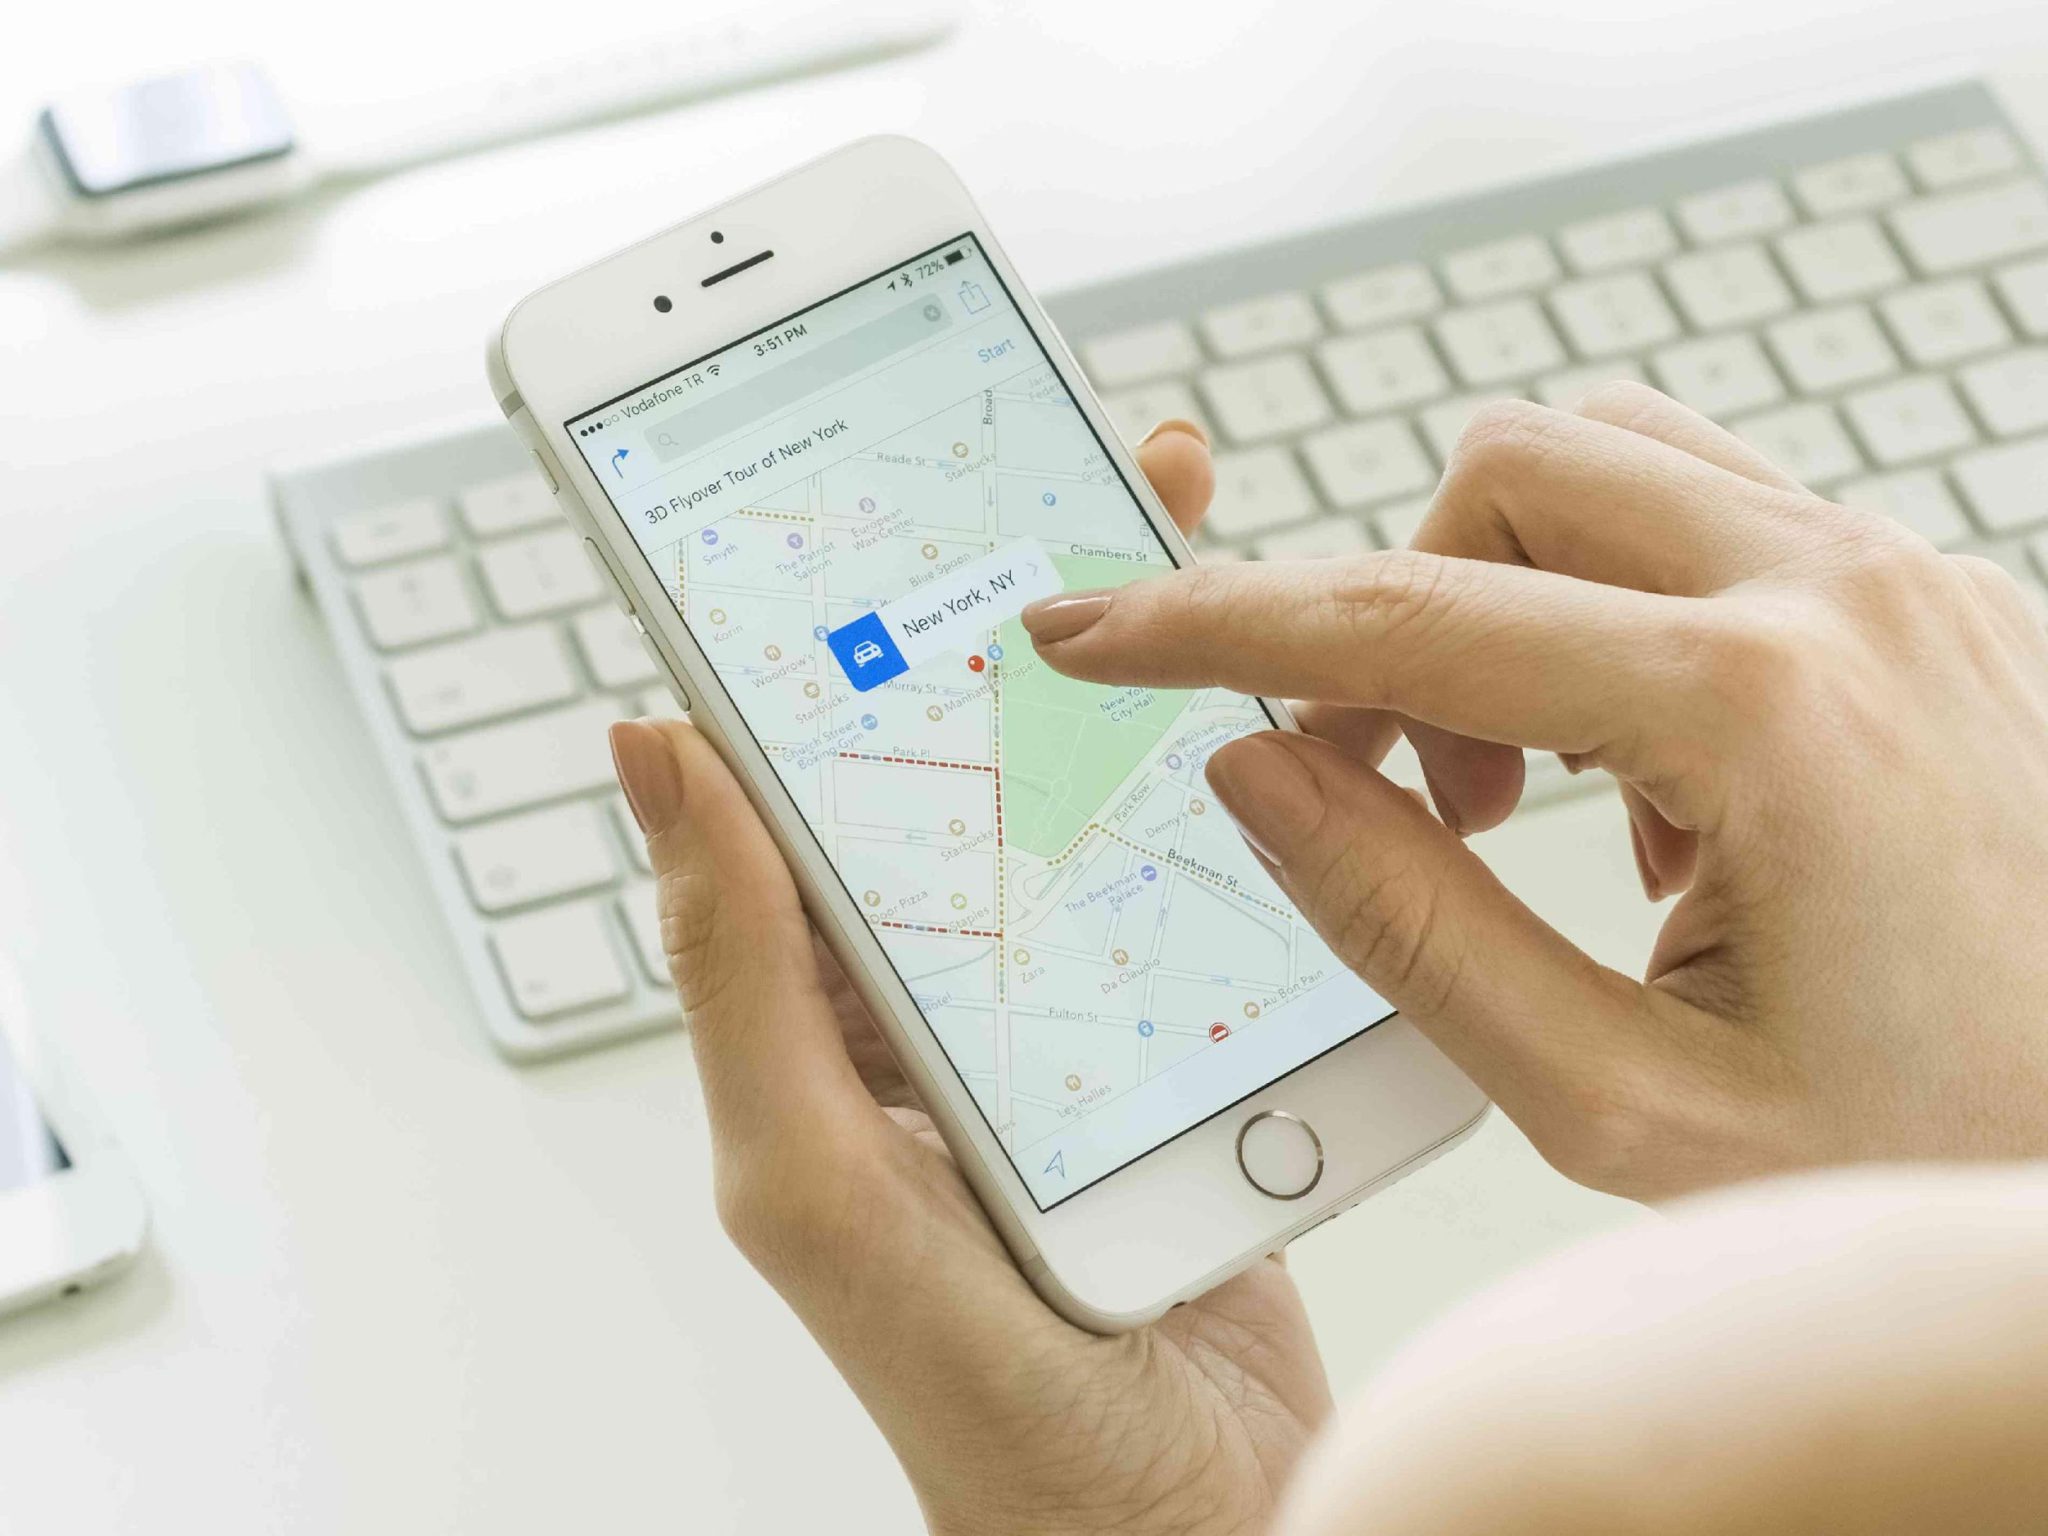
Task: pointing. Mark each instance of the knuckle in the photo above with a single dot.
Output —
(1622, 402)
(1389, 596)
(1600, 1134)
(1994, 585)
(1754, 662)
(689, 930)
(1386, 921)
(1504, 438)
(780, 1223)
(1893, 569)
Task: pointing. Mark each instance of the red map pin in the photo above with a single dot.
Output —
(1219, 1031)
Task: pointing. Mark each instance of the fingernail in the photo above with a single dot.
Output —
(1065, 616)
(647, 773)
(1178, 424)
(1447, 810)
(1270, 794)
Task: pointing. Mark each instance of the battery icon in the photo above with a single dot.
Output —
(953, 256)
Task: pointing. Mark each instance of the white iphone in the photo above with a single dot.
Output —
(70, 1212)
(825, 448)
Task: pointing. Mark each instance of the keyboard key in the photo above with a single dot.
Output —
(1605, 315)
(1806, 441)
(1719, 375)
(611, 648)
(1565, 390)
(1137, 411)
(1399, 524)
(1843, 260)
(535, 856)
(2024, 287)
(1256, 490)
(390, 533)
(1854, 184)
(1382, 296)
(1501, 267)
(1911, 419)
(1739, 212)
(1968, 229)
(1327, 538)
(422, 600)
(629, 829)
(495, 673)
(1261, 325)
(507, 505)
(1383, 370)
(2009, 393)
(1735, 286)
(1828, 348)
(2006, 487)
(540, 573)
(1367, 461)
(1937, 323)
(521, 763)
(1444, 423)
(1919, 498)
(558, 960)
(1628, 239)
(640, 906)
(1499, 342)
(1970, 155)
(1272, 396)
(1143, 352)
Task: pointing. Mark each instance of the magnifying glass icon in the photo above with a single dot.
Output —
(666, 439)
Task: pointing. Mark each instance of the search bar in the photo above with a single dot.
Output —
(824, 365)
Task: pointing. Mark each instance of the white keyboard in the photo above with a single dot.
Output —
(1863, 295)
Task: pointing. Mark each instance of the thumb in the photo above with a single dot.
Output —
(1404, 903)
(769, 1050)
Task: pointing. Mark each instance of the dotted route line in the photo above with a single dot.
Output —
(995, 701)
(940, 928)
(928, 762)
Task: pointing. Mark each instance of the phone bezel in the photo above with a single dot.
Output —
(83, 1222)
(1175, 1221)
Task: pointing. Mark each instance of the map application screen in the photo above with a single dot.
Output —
(849, 509)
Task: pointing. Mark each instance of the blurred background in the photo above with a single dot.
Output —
(395, 1282)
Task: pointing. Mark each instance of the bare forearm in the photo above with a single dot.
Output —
(1864, 1352)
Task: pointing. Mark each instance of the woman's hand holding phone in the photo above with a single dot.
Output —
(834, 1184)
(1832, 739)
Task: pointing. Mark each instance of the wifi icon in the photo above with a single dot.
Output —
(712, 369)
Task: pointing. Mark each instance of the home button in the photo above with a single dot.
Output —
(1280, 1154)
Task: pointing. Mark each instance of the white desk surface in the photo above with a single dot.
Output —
(395, 1283)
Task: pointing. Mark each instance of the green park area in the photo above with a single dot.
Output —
(1067, 745)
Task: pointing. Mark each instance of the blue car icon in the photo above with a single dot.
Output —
(866, 651)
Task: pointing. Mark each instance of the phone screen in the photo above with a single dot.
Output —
(849, 509)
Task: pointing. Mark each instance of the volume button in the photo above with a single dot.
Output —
(546, 474)
(661, 666)
(609, 581)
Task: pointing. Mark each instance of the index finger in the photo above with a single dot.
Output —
(1501, 652)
